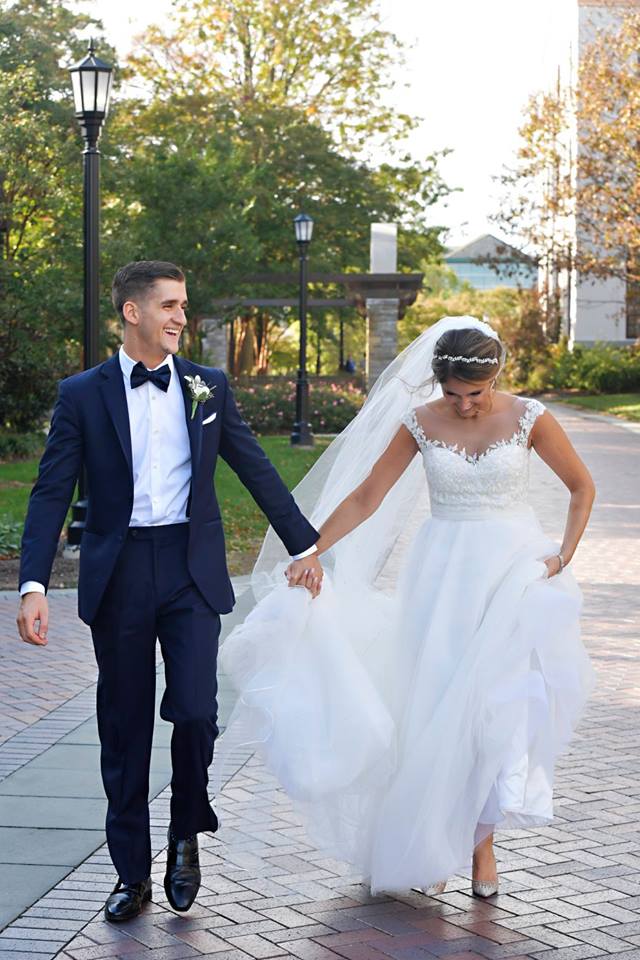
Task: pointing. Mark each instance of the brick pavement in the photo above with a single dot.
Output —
(33, 683)
(568, 891)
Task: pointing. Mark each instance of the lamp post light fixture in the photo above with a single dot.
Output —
(91, 79)
(301, 435)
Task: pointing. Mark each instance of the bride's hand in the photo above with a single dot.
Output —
(552, 564)
(305, 573)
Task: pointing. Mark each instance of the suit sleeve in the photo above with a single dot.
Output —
(240, 449)
(51, 495)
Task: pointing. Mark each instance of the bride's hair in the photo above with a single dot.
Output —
(467, 354)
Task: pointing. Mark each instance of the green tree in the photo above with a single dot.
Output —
(254, 111)
(40, 193)
(217, 193)
(332, 60)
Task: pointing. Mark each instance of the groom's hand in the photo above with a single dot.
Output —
(306, 573)
(34, 609)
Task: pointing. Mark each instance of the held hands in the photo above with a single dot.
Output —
(34, 608)
(306, 573)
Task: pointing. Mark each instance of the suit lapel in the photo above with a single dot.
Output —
(115, 399)
(186, 368)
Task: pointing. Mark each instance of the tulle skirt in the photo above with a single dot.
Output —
(407, 724)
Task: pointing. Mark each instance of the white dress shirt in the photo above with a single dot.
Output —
(161, 454)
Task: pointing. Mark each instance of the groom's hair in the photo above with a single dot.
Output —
(136, 279)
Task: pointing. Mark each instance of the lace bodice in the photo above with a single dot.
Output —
(497, 479)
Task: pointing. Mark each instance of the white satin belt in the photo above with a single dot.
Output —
(480, 511)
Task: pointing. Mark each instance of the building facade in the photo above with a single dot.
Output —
(487, 262)
(591, 310)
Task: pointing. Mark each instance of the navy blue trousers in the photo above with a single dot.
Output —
(152, 597)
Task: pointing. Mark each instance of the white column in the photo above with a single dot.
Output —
(214, 343)
(382, 314)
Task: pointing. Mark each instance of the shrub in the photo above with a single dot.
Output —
(10, 537)
(20, 446)
(597, 369)
(270, 407)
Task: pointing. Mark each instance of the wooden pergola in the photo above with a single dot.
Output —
(359, 287)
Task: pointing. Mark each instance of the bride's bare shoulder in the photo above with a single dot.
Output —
(510, 401)
(427, 410)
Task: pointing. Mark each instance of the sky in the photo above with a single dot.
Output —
(472, 64)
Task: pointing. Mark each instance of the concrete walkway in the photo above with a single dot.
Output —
(52, 806)
(568, 891)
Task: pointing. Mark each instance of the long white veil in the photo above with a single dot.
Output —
(318, 681)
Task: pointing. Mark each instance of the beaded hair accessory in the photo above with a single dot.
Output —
(445, 356)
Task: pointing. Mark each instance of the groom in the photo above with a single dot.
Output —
(152, 563)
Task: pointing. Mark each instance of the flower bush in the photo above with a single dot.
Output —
(270, 407)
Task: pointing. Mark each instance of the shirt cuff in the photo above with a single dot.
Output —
(31, 586)
(305, 553)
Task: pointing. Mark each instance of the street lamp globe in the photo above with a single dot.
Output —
(91, 79)
(303, 225)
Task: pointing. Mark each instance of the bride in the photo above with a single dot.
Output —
(419, 699)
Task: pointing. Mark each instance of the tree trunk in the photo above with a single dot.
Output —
(246, 347)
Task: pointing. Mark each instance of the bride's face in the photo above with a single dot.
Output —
(468, 399)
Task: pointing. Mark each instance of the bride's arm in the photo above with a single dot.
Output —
(553, 445)
(366, 498)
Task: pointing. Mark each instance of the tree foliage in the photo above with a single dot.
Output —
(331, 60)
(516, 314)
(608, 163)
(251, 111)
(40, 192)
(574, 192)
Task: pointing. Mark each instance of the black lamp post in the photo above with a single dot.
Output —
(91, 79)
(4, 223)
(302, 435)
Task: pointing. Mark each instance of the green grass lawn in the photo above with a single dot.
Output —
(16, 480)
(625, 405)
(243, 521)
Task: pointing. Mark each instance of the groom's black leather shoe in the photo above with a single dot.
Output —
(182, 879)
(126, 900)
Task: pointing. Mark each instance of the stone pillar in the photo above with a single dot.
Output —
(215, 336)
(382, 314)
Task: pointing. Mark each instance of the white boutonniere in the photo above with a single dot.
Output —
(200, 392)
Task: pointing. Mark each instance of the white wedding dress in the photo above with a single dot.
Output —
(407, 722)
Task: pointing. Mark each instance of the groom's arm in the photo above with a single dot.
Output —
(48, 505)
(51, 495)
(240, 449)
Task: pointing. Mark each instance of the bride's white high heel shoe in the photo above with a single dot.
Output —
(484, 888)
(433, 890)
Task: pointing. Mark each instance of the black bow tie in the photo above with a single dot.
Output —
(160, 377)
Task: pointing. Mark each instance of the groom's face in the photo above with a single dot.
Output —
(159, 316)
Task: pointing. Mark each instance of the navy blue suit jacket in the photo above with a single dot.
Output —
(90, 426)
